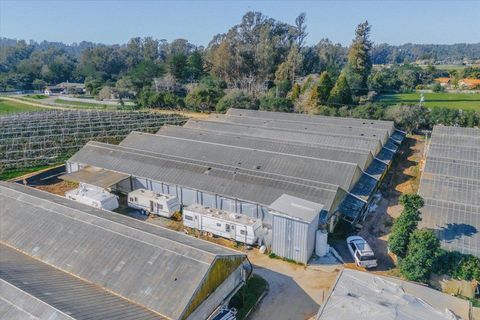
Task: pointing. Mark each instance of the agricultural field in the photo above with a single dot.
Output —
(465, 101)
(43, 138)
(9, 107)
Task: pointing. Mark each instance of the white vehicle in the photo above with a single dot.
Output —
(93, 196)
(149, 201)
(361, 252)
(222, 223)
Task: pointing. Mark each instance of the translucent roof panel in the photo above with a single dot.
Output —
(362, 123)
(450, 185)
(373, 146)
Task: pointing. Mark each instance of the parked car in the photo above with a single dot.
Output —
(361, 252)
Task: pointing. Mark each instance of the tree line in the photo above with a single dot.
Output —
(259, 63)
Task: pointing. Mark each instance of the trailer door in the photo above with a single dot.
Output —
(196, 221)
(232, 232)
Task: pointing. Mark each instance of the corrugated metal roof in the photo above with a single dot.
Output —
(362, 123)
(260, 188)
(40, 291)
(150, 265)
(361, 157)
(95, 176)
(450, 185)
(326, 127)
(296, 207)
(337, 173)
(373, 146)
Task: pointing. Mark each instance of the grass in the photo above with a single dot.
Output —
(82, 104)
(246, 298)
(465, 101)
(36, 96)
(8, 107)
(11, 174)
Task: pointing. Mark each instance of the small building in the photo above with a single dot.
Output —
(469, 84)
(93, 196)
(295, 222)
(152, 202)
(52, 90)
(222, 223)
(443, 81)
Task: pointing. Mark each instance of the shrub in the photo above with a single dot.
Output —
(405, 225)
(423, 250)
(236, 99)
(276, 104)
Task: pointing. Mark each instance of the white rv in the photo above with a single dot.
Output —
(93, 196)
(222, 223)
(149, 201)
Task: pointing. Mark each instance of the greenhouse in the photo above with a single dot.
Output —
(450, 185)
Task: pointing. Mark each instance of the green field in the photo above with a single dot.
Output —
(86, 105)
(465, 101)
(7, 107)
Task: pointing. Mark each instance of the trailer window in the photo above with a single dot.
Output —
(219, 224)
(227, 227)
(160, 206)
(136, 199)
(188, 218)
(243, 232)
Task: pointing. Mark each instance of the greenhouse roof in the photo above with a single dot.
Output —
(154, 267)
(361, 123)
(237, 183)
(361, 157)
(450, 185)
(324, 172)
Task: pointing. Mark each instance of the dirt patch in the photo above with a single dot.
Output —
(403, 177)
(295, 292)
(58, 188)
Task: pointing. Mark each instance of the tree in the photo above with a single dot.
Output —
(205, 96)
(359, 62)
(423, 250)
(409, 118)
(403, 227)
(323, 87)
(195, 66)
(341, 93)
(178, 66)
(144, 73)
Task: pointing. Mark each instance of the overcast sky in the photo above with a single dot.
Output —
(394, 22)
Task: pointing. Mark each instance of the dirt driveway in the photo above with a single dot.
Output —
(295, 292)
(403, 177)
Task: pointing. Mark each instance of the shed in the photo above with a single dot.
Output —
(295, 222)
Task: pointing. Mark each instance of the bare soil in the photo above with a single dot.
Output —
(58, 188)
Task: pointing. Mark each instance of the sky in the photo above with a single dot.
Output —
(393, 22)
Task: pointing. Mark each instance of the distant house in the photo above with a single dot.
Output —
(52, 90)
(465, 84)
(469, 83)
(443, 81)
(65, 88)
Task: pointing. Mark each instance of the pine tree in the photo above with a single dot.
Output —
(359, 63)
(341, 93)
(325, 86)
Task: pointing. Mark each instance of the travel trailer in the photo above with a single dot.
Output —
(93, 196)
(223, 223)
(152, 202)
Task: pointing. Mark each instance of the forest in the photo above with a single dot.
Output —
(259, 63)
